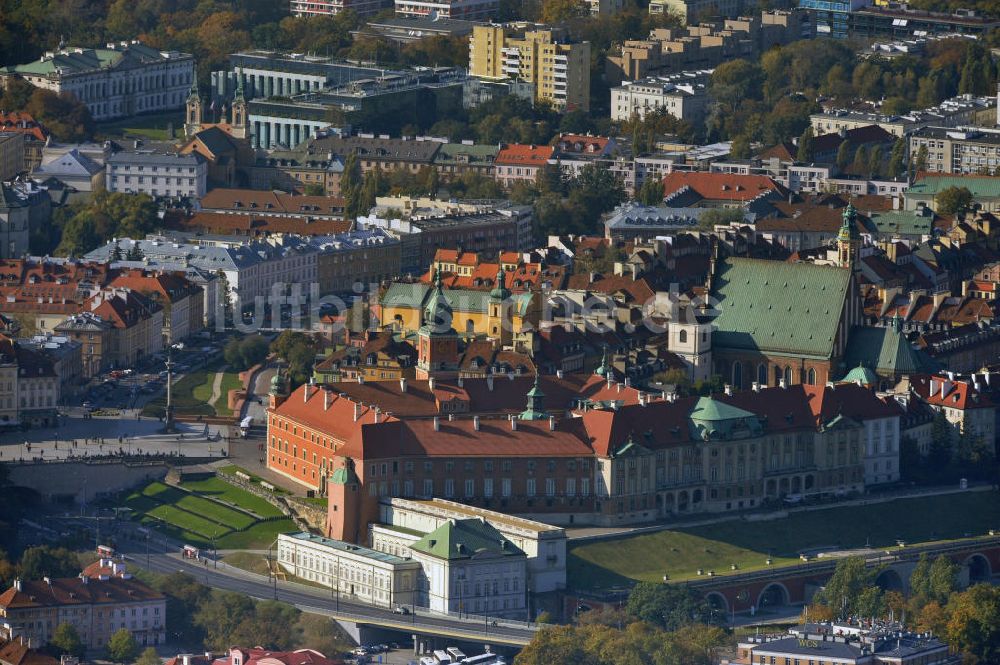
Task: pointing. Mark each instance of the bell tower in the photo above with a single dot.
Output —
(192, 117)
(437, 341)
(238, 123)
(848, 240)
(495, 311)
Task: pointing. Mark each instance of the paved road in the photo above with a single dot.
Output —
(320, 601)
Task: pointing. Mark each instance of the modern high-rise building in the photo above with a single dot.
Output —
(558, 71)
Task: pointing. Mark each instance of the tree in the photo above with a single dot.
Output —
(920, 163)
(740, 148)
(66, 118)
(952, 200)
(651, 192)
(860, 164)
(45, 561)
(875, 162)
(271, 625)
(847, 590)
(668, 605)
(322, 634)
(897, 159)
(149, 657)
(66, 640)
(942, 579)
(845, 153)
(220, 616)
(974, 623)
(122, 647)
(350, 187)
(555, 11)
(805, 151)
(314, 189)
(939, 454)
(242, 354)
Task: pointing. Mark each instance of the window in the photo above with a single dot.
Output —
(449, 488)
(530, 487)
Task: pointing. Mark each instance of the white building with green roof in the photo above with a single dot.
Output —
(985, 190)
(469, 566)
(119, 81)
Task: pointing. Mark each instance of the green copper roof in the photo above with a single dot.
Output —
(903, 222)
(500, 290)
(464, 539)
(885, 350)
(344, 475)
(931, 185)
(773, 306)
(438, 316)
(708, 409)
(74, 60)
(866, 376)
(714, 419)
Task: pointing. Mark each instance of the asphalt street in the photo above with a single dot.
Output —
(221, 576)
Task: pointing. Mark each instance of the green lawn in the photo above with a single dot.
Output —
(153, 126)
(231, 469)
(230, 381)
(259, 536)
(220, 489)
(185, 402)
(216, 512)
(192, 393)
(188, 521)
(679, 553)
(206, 510)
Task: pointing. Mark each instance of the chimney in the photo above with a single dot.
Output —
(437, 424)
(489, 383)
(552, 423)
(475, 423)
(357, 411)
(431, 382)
(305, 393)
(782, 382)
(513, 423)
(17, 584)
(361, 379)
(326, 400)
(728, 389)
(642, 399)
(755, 386)
(559, 374)
(934, 386)
(451, 417)
(628, 381)
(402, 385)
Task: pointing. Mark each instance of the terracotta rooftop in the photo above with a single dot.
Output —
(517, 154)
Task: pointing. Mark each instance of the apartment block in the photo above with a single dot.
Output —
(966, 150)
(559, 71)
(157, 174)
(331, 7)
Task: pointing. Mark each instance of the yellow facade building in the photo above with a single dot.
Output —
(559, 72)
(402, 308)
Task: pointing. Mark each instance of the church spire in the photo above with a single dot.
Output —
(536, 403)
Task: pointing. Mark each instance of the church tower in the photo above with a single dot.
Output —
(496, 310)
(437, 341)
(848, 240)
(192, 118)
(238, 123)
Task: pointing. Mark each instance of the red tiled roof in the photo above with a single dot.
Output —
(76, 591)
(271, 203)
(253, 223)
(952, 394)
(22, 123)
(720, 186)
(517, 154)
(16, 652)
(579, 143)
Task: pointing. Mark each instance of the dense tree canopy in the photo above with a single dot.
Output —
(81, 227)
(669, 606)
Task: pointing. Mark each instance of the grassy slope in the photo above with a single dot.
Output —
(220, 489)
(679, 553)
